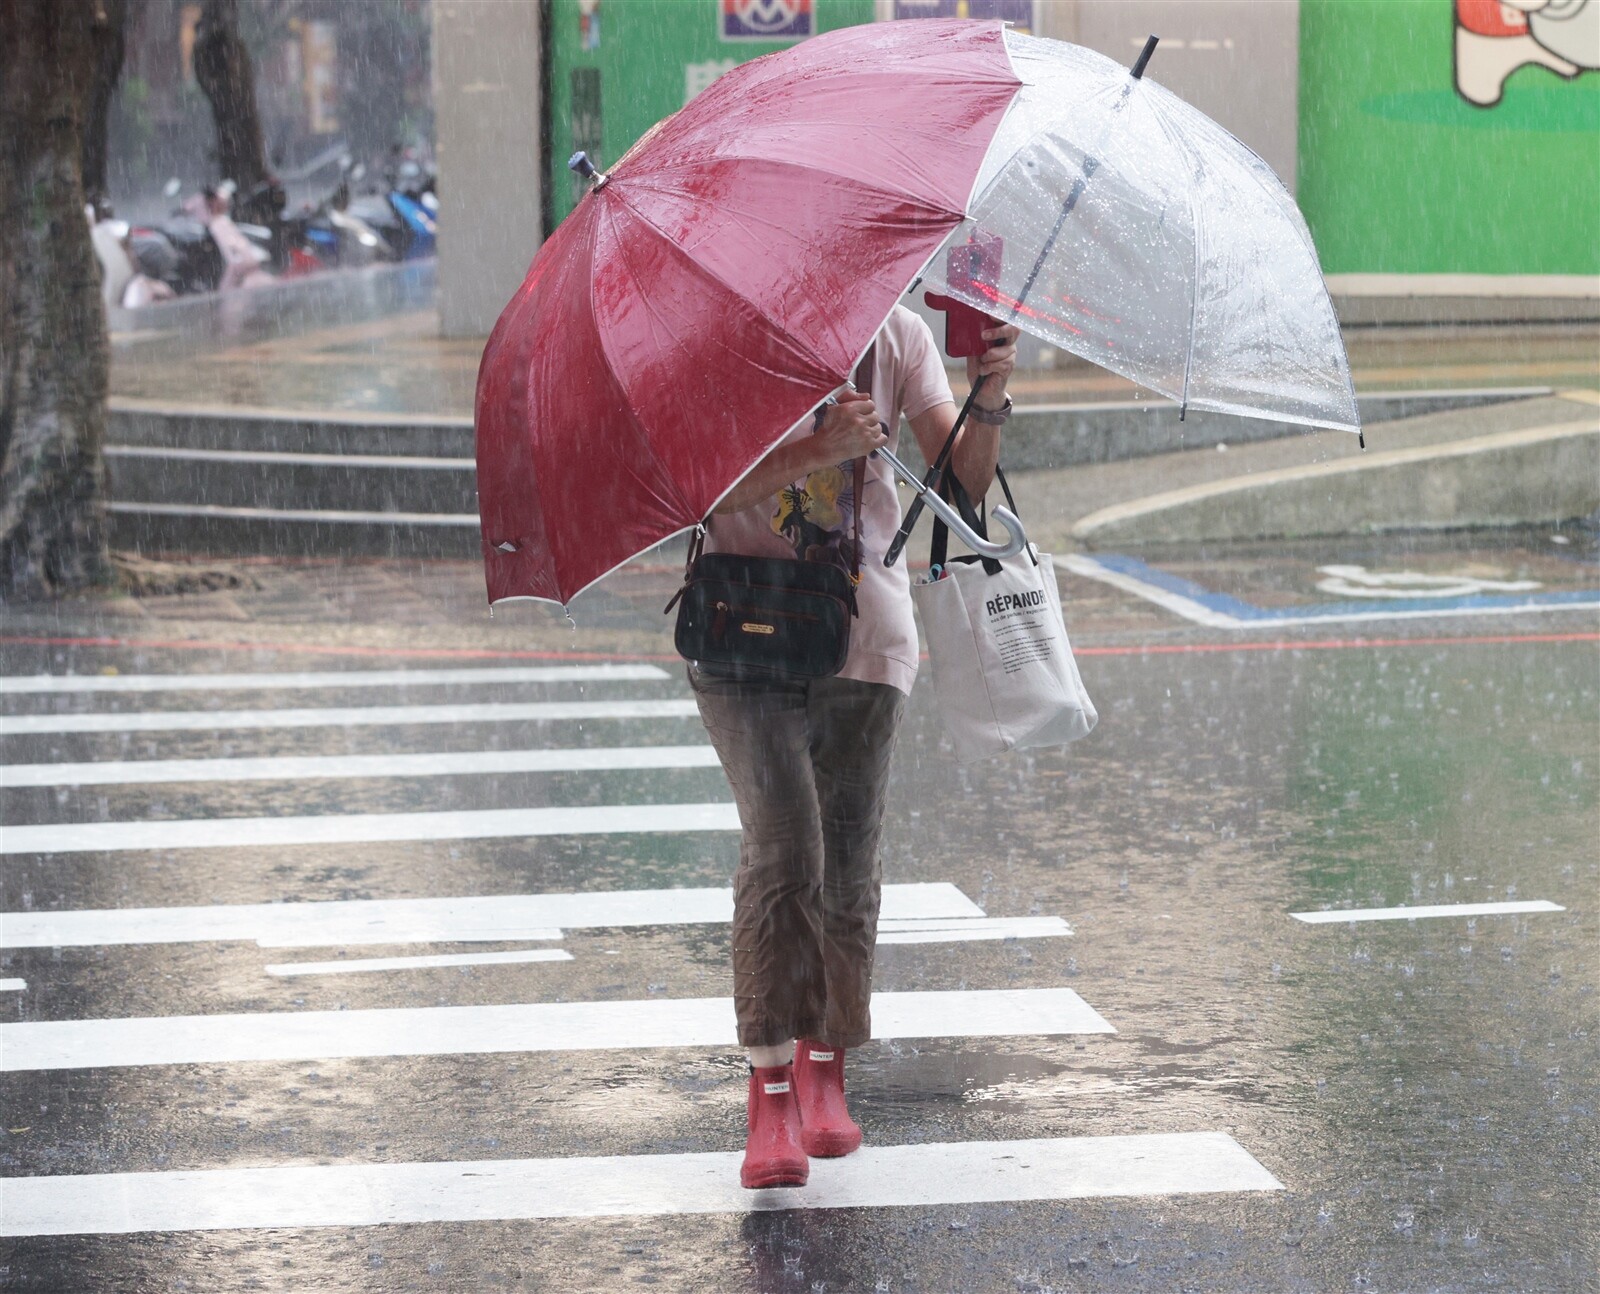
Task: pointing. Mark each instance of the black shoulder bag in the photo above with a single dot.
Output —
(770, 618)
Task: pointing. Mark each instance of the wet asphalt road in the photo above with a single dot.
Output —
(1424, 1091)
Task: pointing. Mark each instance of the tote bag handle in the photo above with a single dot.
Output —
(951, 489)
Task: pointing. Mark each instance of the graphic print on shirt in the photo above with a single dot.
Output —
(818, 518)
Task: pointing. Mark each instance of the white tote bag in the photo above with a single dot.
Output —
(1002, 666)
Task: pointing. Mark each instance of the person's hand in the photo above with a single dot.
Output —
(996, 364)
(850, 429)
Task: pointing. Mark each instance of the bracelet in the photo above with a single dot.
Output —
(990, 417)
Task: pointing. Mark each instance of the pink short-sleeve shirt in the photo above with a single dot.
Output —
(813, 519)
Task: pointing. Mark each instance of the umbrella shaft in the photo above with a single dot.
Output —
(1090, 166)
(897, 545)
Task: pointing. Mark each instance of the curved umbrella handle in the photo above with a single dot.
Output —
(1017, 541)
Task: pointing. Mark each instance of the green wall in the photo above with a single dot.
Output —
(644, 48)
(1399, 174)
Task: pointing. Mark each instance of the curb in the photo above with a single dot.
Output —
(1539, 474)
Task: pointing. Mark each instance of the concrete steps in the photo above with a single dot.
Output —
(247, 481)
(238, 481)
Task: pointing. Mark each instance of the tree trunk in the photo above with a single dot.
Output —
(54, 352)
(110, 40)
(223, 69)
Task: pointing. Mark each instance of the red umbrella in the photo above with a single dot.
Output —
(721, 281)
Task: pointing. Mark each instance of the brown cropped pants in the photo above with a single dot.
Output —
(809, 767)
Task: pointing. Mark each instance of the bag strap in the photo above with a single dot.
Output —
(862, 382)
(697, 543)
(951, 489)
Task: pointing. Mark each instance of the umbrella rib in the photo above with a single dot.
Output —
(778, 330)
(1180, 146)
(640, 432)
(872, 184)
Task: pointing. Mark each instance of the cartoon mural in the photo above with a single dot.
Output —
(1401, 172)
(1496, 37)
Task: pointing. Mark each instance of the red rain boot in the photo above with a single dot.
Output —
(826, 1128)
(772, 1156)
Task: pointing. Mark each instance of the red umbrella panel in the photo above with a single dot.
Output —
(720, 282)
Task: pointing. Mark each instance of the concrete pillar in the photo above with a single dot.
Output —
(1057, 19)
(486, 98)
(1238, 61)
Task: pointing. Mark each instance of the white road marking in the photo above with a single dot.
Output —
(1192, 608)
(354, 1195)
(278, 768)
(360, 965)
(454, 520)
(520, 1027)
(1188, 608)
(20, 725)
(969, 930)
(596, 673)
(13, 985)
(1339, 915)
(1359, 582)
(466, 919)
(347, 828)
(397, 462)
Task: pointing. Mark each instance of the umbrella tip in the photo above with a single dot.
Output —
(1144, 57)
(580, 163)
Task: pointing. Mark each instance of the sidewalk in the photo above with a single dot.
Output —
(398, 364)
(1528, 461)
(333, 420)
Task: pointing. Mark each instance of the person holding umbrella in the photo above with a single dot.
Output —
(727, 273)
(808, 760)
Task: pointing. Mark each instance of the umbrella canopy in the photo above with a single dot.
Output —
(1183, 262)
(733, 267)
(719, 283)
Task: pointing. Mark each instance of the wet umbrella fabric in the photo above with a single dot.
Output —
(723, 280)
(1184, 264)
(735, 264)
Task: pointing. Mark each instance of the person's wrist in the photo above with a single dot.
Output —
(992, 394)
(991, 415)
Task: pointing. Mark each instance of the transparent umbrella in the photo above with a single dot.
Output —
(1136, 232)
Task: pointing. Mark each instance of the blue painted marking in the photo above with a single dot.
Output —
(1226, 604)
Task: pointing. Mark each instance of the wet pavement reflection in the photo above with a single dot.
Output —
(1425, 1090)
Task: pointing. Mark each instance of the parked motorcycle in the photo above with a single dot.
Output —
(244, 261)
(406, 213)
(208, 244)
(122, 282)
(179, 250)
(335, 234)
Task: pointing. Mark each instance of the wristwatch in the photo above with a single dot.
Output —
(990, 417)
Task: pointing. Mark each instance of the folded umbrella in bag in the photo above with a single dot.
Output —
(1002, 666)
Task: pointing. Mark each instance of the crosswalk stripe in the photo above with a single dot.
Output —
(363, 965)
(464, 919)
(354, 1195)
(279, 768)
(61, 683)
(348, 828)
(1335, 916)
(519, 1027)
(21, 725)
(945, 932)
